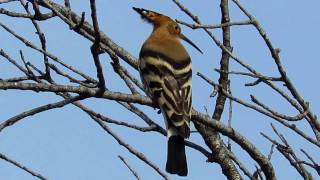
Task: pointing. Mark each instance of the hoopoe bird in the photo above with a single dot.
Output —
(165, 70)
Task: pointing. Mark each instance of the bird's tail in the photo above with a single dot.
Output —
(176, 157)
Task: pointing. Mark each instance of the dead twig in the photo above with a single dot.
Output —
(129, 167)
(28, 170)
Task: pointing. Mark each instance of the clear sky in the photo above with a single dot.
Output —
(66, 144)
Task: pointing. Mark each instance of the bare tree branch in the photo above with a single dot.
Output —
(54, 58)
(37, 110)
(215, 26)
(28, 170)
(288, 153)
(95, 48)
(130, 148)
(262, 111)
(92, 92)
(275, 55)
(254, 153)
(129, 167)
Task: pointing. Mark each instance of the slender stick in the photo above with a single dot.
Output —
(129, 167)
(11, 121)
(95, 48)
(28, 170)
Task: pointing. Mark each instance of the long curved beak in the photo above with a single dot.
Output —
(138, 10)
(183, 37)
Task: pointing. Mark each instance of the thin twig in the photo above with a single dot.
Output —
(275, 55)
(229, 114)
(215, 26)
(138, 154)
(11, 121)
(271, 151)
(263, 161)
(287, 151)
(40, 34)
(288, 118)
(308, 156)
(28, 170)
(71, 79)
(263, 111)
(88, 32)
(95, 48)
(51, 56)
(12, 61)
(129, 167)
(119, 70)
(252, 75)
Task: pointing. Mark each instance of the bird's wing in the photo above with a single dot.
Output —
(170, 85)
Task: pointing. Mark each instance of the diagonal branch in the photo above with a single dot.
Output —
(138, 154)
(51, 56)
(263, 111)
(254, 153)
(40, 34)
(88, 31)
(129, 167)
(37, 110)
(28, 170)
(282, 116)
(288, 153)
(275, 55)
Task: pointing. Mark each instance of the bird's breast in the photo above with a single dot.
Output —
(170, 51)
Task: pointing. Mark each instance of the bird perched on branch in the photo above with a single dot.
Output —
(165, 69)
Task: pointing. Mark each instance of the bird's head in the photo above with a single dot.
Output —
(161, 21)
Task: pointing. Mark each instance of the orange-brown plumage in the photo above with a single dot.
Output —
(165, 69)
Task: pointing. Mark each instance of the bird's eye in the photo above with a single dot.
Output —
(176, 28)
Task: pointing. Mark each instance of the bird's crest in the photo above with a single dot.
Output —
(164, 23)
(152, 17)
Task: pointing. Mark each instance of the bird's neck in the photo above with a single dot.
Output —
(162, 42)
(162, 35)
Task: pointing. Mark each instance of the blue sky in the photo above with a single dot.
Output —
(66, 144)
